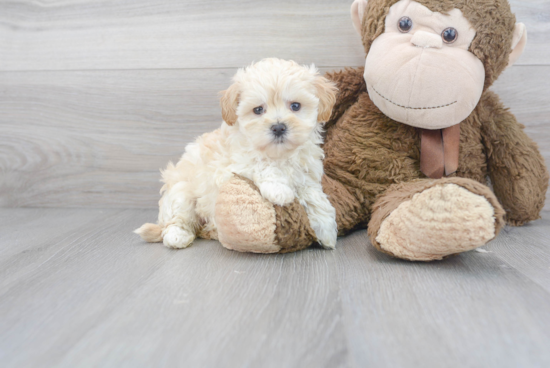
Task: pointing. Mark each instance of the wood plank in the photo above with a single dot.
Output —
(140, 34)
(52, 275)
(110, 300)
(467, 311)
(233, 303)
(56, 230)
(93, 137)
(527, 249)
(534, 14)
(26, 226)
(98, 138)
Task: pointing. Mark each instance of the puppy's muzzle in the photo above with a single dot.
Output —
(278, 130)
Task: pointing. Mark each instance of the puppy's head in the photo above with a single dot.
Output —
(278, 105)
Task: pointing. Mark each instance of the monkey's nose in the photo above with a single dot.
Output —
(278, 129)
(426, 40)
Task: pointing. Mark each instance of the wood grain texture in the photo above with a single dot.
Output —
(98, 133)
(532, 255)
(467, 311)
(98, 138)
(144, 34)
(93, 294)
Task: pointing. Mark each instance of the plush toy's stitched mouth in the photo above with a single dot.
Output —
(413, 108)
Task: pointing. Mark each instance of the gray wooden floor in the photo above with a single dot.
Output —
(77, 288)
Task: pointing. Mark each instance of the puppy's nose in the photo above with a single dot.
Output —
(278, 129)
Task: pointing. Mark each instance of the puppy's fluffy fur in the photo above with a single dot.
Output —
(284, 161)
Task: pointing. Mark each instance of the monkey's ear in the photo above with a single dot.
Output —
(519, 40)
(229, 103)
(326, 91)
(357, 11)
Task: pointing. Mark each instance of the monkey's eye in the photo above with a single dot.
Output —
(295, 106)
(405, 24)
(258, 110)
(449, 35)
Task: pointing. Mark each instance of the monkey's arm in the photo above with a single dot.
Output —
(350, 83)
(516, 167)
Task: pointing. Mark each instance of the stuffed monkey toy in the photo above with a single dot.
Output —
(413, 139)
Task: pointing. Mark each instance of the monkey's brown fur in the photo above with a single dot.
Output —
(367, 152)
(369, 156)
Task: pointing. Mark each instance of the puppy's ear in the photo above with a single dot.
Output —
(229, 103)
(326, 91)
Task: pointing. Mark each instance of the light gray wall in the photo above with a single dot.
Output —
(96, 96)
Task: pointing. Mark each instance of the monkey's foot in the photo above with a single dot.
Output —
(428, 220)
(247, 222)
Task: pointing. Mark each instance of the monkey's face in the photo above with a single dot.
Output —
(419, 71)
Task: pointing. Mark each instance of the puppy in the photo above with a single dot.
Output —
(271, 134)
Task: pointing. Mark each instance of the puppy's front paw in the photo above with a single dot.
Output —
(276, 193)
(176, 237)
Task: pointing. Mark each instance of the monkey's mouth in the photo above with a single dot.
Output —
(410, 107)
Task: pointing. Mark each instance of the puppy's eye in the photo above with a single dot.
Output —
(295, 106)
(405, 24)
(258, 110)
(449, 35)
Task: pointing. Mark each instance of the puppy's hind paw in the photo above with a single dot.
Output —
(326, 237)
(176, 237)
(276, 193)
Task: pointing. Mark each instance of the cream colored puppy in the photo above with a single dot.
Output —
(271, 134)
